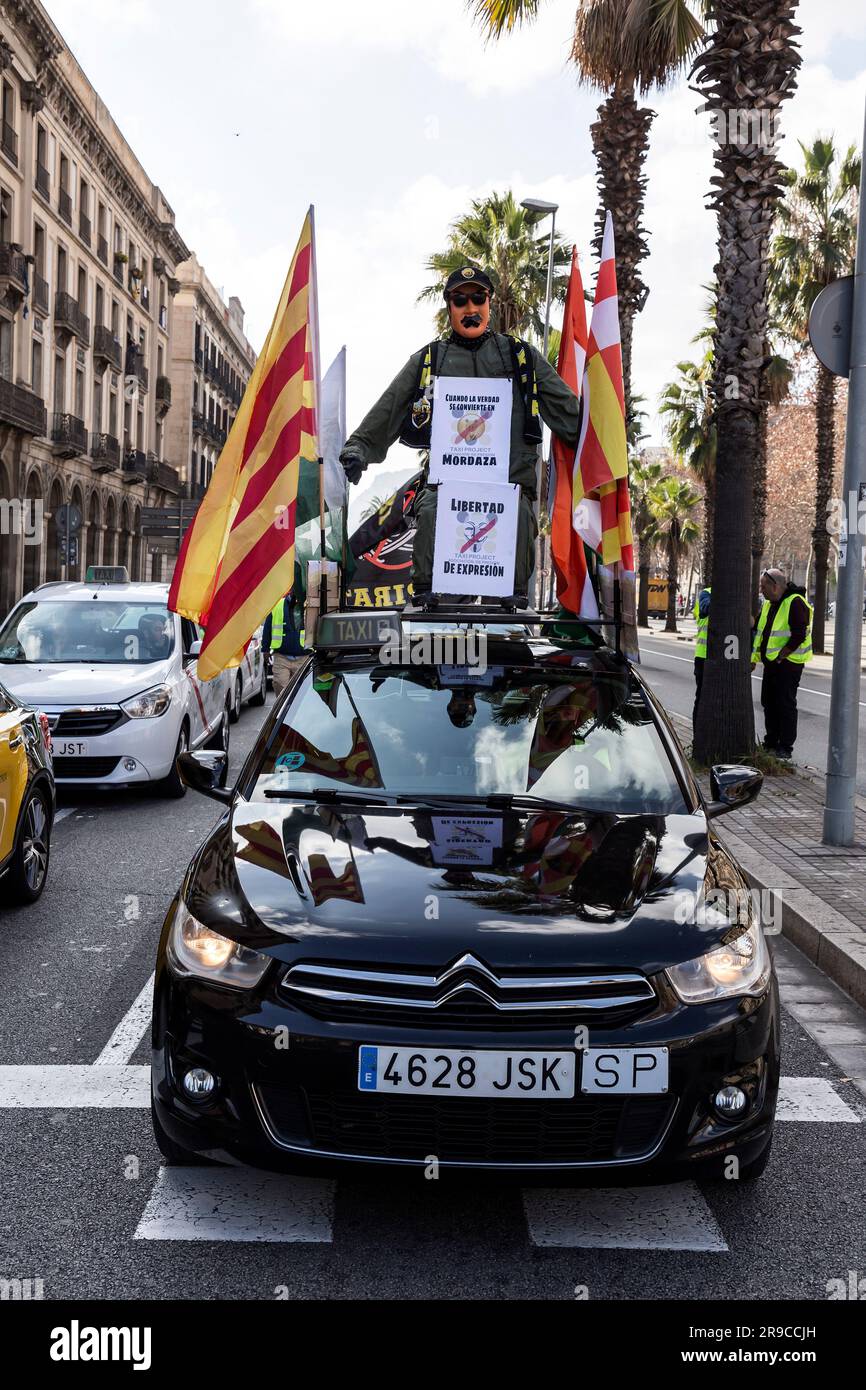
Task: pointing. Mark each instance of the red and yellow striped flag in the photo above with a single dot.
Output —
(238, 557)
(602, 450)
(573, 584)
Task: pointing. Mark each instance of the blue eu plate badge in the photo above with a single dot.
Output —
(367, 1060)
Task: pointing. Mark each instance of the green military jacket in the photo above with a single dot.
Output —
(557, 403)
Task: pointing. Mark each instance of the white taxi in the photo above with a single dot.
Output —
(116, 673)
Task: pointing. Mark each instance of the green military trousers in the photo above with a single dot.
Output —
(422, 552)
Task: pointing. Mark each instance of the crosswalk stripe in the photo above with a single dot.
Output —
(675, 1216)
(237, 1204)
(129, 1031)
(813, 1098)
(74, 1088)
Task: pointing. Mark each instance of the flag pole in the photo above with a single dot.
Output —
(323, 578)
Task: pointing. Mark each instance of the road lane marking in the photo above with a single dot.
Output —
(129, 1032)
(238, 1204)
(804, 689)
(813, 1098)
(674, 1216)
(74, 1088)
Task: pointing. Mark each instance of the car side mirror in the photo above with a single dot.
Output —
(194, 649)
(732, 786)
(205, 772)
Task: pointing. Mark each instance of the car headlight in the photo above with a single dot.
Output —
(195, 949)
(149, 703)
(740, 967)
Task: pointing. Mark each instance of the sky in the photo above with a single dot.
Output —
(390, 117)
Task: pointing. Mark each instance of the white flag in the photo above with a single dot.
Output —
(332, 430)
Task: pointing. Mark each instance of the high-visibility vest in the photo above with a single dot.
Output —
(780, 632)
(278, 626)
(703, 625)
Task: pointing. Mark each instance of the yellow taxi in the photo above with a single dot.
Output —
(26, 800)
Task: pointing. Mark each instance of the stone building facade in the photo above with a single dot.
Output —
(211, 364)
(88, 273)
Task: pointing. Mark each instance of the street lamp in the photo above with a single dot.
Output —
(540, 206)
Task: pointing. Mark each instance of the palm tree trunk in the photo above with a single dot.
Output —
(709, 522)
(759, 508)
(825, 454)
(641, 520)
(620, 139)
(673, 581)
(750, 57)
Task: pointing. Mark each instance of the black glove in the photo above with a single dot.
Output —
(353, 467)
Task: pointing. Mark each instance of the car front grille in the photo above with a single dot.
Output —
(585, 1130)
(84, 723)
(467, 994)
(84, 769)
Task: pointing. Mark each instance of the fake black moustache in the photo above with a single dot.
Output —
(471, 320)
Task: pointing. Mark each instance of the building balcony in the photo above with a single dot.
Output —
(43, 182)
(104, 453)
(215, 434)
(9, 142)
(134, 466)
(70, 318)
(107, 350)
(163, 393)
(118, 269)
(194, 491)
(13, 276)
(22, 409)
(84, 229)
(163, 475)
(140, 372)
(199, 423)
(68, 436)
(102, 249)
(199, 357)
(64, 206)
(41, 295)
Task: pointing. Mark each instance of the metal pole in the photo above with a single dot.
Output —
(549, 282)
(845, 689)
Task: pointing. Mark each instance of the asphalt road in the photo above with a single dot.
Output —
(668, 666)
(86, 1208)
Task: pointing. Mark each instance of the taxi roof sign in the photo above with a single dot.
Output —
(106, 574)
(353, 631)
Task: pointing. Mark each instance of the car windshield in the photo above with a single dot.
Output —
(576, 738)
(62, 632)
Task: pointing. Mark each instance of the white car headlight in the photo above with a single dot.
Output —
(194, 949)
(149, 704)
(741, 967)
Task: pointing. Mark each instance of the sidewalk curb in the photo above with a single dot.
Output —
(825, 936)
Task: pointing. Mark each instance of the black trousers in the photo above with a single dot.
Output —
(779, 699)
(699, 680)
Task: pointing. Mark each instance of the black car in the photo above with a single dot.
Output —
(472, 915)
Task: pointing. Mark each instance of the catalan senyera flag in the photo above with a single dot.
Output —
(238, 557)
(601, 472)
(573, 584)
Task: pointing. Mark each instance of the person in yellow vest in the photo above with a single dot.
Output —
(281, 635)
(702, 618)
(783, 642)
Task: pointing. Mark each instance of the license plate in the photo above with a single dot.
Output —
(624, 1071)
(454, 1072)
(71, 748)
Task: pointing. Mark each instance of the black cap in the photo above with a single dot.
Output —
(465, 275)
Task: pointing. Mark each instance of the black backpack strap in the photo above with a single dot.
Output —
(415, 433)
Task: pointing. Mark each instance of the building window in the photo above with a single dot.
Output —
(97, 406)
(99, 312)
(6, 339)
(59, 383)
(5, 216)
(112, 414)
(61, 268)
(39, 248)
(43, 178)
(36, 367)
(82, 289)
(115, 319)
(79, 393)
(64, 202)
(8, 136)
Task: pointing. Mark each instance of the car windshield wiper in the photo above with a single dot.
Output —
(494, 800)
(328, 794)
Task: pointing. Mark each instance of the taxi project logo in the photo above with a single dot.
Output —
(474, 537)
(77, 1343)
(470, 426)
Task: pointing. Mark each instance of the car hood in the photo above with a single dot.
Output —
(51, 687)
(423, 887)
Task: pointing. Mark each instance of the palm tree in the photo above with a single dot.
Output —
(643, 475)
(777, 375)
(671, 502)
(745, 72)
(499, 235)
(815, 245)
(691, 432)
(619, 46)
(372, 507)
